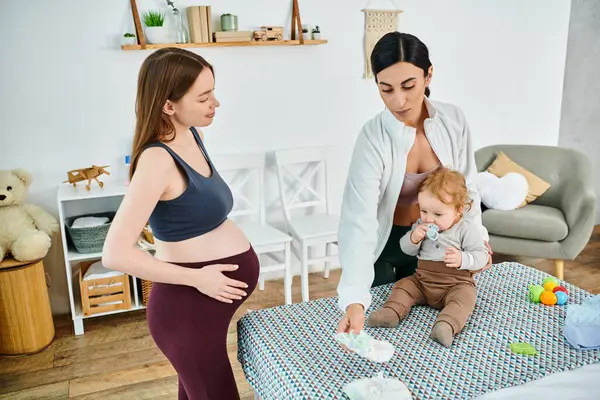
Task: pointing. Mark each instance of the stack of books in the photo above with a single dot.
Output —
(233, 36)
(200, 23)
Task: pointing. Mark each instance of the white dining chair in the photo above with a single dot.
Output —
(303, 190)
(244, 173)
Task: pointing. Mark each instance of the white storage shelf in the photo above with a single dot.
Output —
(74, 201)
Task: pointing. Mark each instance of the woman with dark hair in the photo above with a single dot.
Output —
(394, 152)
(204, 267)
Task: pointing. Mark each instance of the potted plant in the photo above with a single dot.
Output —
(156, 33)
(316, 32)
(305, 34)
(129, 38)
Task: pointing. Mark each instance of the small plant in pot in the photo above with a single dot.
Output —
(156, 33)
(129, 38)
(305, 34)
(316, 33)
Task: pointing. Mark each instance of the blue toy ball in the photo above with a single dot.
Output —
(433, 232)
(561, 298)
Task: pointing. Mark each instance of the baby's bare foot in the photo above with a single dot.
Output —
(443, 333)
(385, 317)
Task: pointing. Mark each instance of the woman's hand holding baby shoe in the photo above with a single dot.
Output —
(354, 319)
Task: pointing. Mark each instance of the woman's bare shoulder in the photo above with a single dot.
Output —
(155, 158)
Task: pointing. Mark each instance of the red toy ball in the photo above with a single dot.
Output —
(560, 289)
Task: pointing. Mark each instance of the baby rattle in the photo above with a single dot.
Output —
(433, 232)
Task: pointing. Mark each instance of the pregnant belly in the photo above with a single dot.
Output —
(224, 241)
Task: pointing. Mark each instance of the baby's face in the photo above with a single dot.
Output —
(434, 211)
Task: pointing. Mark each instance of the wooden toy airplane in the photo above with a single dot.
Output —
(87, 174)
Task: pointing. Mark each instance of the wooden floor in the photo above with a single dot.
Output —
(117, 359)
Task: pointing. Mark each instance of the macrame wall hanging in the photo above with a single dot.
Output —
(377, 24)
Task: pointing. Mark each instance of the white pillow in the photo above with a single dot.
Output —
(506, 193)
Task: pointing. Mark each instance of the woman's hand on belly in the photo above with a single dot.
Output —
(211, 281)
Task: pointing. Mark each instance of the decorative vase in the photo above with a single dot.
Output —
(157, 35)
(229, 22)
(317, 35)
(181, 34)
(306, 35)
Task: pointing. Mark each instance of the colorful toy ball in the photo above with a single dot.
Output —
(561, 298)
(560, 289)
(548, 298)
(549, 286)
(550, 279)
(535, 291)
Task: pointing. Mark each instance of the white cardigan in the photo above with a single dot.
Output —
(373, 185)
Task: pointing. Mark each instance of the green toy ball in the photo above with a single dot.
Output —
(535, 291)
(550, 279)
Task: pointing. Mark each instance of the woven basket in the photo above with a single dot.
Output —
(89, 240)
(146, 287)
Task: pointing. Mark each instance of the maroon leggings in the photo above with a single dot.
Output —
(190, 328)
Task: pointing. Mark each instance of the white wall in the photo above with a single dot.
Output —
(580, 121)
(68, 90)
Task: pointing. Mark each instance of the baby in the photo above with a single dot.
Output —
(449, 249)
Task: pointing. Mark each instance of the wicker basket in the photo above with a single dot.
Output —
(146, 287)
(89, 240)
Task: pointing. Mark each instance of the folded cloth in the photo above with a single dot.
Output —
(377, 388)
(97, 271)
(89, 222)
(367, 347)
(582, 324)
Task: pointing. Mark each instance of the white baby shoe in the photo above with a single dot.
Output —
(367, 347)
(377, 388)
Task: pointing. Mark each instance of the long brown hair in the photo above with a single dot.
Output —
(167, 74)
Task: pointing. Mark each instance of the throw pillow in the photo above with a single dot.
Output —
(506, 193)
(503, 165)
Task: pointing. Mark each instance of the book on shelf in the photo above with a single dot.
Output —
(233, 36)
(200, 23)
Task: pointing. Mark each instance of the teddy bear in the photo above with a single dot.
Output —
(25, 229)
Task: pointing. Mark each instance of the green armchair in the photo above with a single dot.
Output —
(559, 223)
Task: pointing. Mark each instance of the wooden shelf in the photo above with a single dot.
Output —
(74, 255)
(112, 188)
(223, 44)
(135, 306)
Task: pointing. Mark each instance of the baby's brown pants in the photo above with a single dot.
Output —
(449, 289)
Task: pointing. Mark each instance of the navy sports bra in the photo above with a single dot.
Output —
(203, 206)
